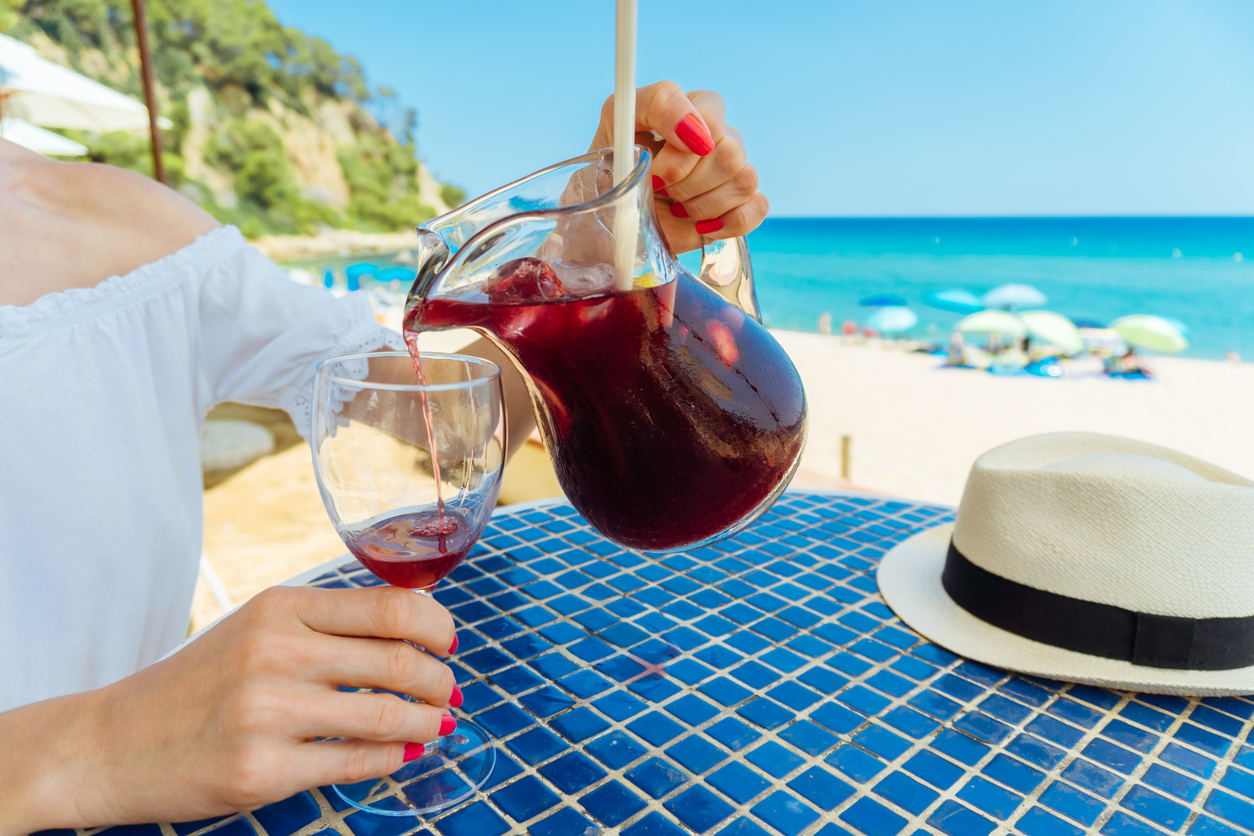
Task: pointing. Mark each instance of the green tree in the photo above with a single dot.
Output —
(223, 43)
(248, 61)
(452, 195)
(8, 14)
(264, 179)
(383, 182)
(254, 151)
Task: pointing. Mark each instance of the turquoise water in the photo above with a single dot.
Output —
(1091, 268)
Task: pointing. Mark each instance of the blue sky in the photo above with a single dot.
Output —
(896, 108)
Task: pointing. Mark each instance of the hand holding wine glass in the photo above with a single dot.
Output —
(237, 719)
(409, 473)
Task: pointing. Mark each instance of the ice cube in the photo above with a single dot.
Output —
(524, 280)
(583, 280)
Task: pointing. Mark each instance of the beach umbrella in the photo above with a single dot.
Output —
(1054, 329)
(892, 320)
(47, 94)
(23, 133)
(396, 274)
(1151, 332)
(956, 300)
(885, 300)
(1014, 296)
(361, 268)
(992, 322)
(1177, 324)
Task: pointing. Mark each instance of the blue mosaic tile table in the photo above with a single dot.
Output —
(760, 687)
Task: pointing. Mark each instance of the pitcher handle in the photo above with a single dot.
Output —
(726, 269)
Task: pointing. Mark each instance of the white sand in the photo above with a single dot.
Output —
(917, 427)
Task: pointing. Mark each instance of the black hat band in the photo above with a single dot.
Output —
(1156, 641)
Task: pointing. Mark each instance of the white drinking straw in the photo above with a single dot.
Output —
(626, 220)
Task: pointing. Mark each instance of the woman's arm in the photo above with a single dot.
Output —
(228, 723)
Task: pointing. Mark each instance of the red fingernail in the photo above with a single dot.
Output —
(414, 751)
(693, 134)
(456, 699)
(706, 227)
(658, 185)
(453, 649)
(662, 192)
(678, 210)
(447, 723)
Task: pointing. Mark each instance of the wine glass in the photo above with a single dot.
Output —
(410, 516)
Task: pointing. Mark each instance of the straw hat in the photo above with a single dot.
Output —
(1091, 558)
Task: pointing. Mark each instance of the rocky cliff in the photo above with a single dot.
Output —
(272, 130)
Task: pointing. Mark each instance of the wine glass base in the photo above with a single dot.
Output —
(451, 772)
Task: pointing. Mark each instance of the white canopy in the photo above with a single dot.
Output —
(44, 93)
(37, 139)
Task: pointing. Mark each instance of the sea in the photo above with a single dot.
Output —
(1196, 270)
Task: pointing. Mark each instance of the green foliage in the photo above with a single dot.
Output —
(221, 42)
(264, 178)
(248, 61)
(383, 180)
(8, 14)
(452, 195)
(254, 151)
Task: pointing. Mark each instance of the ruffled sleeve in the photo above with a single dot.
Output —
(261, 334)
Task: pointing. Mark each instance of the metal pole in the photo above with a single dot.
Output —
(150, 93)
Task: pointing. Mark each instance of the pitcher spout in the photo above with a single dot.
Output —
(433, 254)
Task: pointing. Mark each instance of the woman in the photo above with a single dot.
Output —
(105, 384)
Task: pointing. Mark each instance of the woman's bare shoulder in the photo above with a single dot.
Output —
(145, 211)
(117, 220)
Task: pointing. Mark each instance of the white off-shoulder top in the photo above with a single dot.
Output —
(103, 393)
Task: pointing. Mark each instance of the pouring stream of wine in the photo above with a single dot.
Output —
(411, 340)
(626, 220)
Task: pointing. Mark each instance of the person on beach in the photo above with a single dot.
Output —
(956, 355)
(1129, 363)
(126, 312)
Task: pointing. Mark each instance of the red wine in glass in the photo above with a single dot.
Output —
(414, 550)
(668, 416)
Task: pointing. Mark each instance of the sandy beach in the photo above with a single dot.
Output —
(332, 242)
(915, 429)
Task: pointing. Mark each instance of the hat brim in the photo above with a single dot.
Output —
(909, 578)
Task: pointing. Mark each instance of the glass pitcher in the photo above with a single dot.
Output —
(672, 417)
